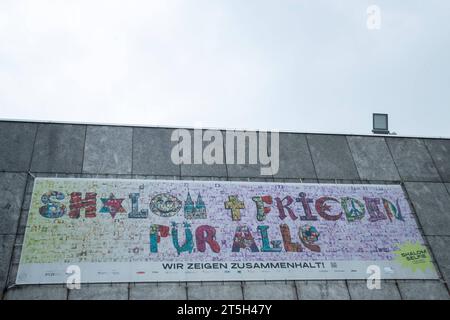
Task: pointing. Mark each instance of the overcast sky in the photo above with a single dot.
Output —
(309, 66)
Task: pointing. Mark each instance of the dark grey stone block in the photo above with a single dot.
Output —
(158, 291)
(243, 170)
(440, 247)
(423, 290)
(322, 290)
(295, 158)
(431, 201)
(331, 157)
(108, 150)
(204, 169)
(12, 187)
(152, 149)
(246, 170)
(59, 148)
(372, 158)
(114, 291)
(6, 248)
(440, 152)
(412, 159)
(16, 145)
(358, 291)
(214, 291)
(37, 292)
(273, 290)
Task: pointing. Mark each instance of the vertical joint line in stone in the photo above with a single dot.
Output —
(132, 150)
(353, 158)
(435, 262)
(348, 289)
(432, 160)
(393, 159)
(311, 157)
(225, 155)
(34, 143)
(413, 209)
(296, 290)
(398, 289)
(84, 148)
(179, 166)
(67, 293)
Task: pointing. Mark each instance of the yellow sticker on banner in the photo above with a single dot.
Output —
(414, 256)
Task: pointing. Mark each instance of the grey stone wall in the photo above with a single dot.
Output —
(28, 150)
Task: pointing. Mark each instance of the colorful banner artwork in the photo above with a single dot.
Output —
(155, 230)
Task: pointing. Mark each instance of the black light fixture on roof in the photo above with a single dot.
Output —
(380, 123)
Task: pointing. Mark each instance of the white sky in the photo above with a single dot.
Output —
(290, 65)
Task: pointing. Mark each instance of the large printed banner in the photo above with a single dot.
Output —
(155, 230)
